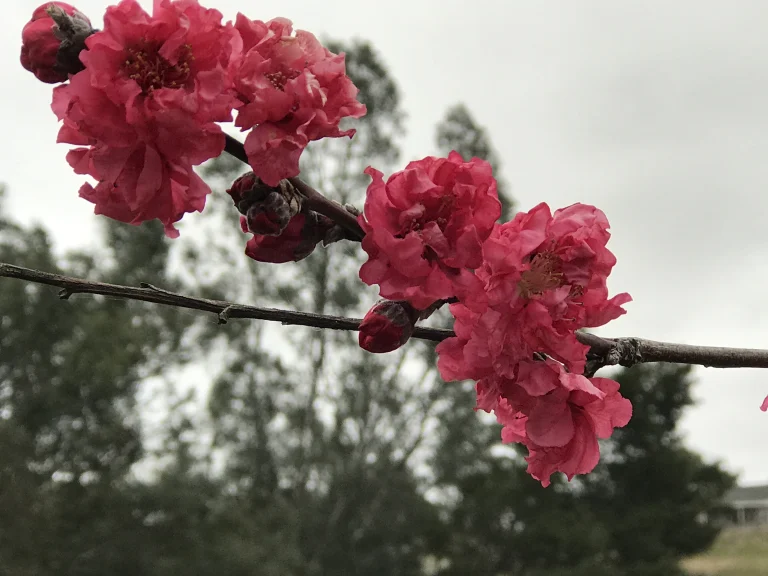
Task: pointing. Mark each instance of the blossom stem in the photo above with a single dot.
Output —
(329, 208)
(315, 200)
(603, 351)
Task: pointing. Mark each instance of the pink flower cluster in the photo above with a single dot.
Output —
(520, 289)
(145, 109)
(543, 277)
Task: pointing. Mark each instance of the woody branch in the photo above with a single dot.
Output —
(625, 351)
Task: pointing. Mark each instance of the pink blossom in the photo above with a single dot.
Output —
(144, 109)
(543, 277)
(560, 260)
(764, 405)
(579, 456)
(40, 45)
(585, 417)
(425, 227)
(292, 91)
(137, 184)
(557, 415)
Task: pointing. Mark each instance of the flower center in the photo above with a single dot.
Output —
(444, 210)
(151, 71)
(439, 213)
(544, 274)
(279, 79)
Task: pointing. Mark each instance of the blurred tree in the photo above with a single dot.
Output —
(649, 502)
(658, 500)
(68, 377)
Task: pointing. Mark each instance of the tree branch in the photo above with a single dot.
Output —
(224, 310)
(629, 351)
(603, 351)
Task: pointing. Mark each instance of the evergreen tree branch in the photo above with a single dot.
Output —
(626, 351)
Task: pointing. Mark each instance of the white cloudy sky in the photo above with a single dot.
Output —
(653, 111)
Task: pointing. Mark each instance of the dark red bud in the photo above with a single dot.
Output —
(387, 326)
(269, 217)
(267, 209)
(247, 190)
(297, 241)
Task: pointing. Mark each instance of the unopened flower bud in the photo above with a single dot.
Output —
(52, 41)
(387, 326)
(297, 241)
(247, 190)
(267, 210)
(271, 216)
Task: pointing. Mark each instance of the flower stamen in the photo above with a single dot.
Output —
(151, 71)
(280, 79)
(544, 274)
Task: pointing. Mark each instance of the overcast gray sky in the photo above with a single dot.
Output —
(653, 111)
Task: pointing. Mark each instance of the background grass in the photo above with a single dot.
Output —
(737, 552)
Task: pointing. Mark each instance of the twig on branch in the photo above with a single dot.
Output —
(603, 351)
(315, 200)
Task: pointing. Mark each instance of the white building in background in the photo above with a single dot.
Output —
(750, 504)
